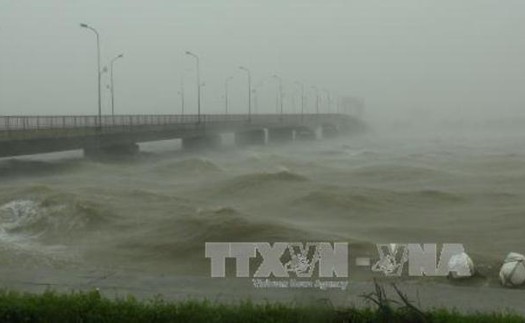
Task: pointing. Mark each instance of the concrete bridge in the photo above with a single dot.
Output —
(120, 135)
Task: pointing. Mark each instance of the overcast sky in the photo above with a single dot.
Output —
(431, 58)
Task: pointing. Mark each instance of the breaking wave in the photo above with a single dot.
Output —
(50, 220)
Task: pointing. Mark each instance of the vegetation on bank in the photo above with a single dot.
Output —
(92, 307)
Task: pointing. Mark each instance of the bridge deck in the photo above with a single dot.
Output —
(26, 127)
(36, 134)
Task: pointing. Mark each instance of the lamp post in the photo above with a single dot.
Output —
(197, 60)
(255, 100)
(181, 93)
(280, 92)
(112, 83)
(99, 72)
(226, 94)
(329, 100)
(249, 91)
(302, 97)
(316, 99)
(255, 94)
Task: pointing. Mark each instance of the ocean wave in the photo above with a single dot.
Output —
(260, 180)
(50, 219)
(190, 166)
(185, 236)
(26, 168)
(32, 235)
(396, 172)
(229, 224)
(374, 199)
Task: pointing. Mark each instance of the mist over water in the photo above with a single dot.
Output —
(154, 213)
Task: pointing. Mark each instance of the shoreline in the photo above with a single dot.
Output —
(119, 283)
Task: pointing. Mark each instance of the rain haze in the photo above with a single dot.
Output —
(371, 123)
(431, 58)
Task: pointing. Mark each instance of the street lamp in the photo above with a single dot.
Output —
(226, 94)
(329, 99)
(197, 60)
(302, 97)
(280, 91)
(255, 100)
(112, 83)
(181, 93)
(249, 91)
(316, 99)
(99, 72)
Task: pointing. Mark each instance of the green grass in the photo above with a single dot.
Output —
(92, 307)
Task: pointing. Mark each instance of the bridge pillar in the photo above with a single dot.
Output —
(305, 134)
(201, 142)
(101, 151)
(329, 130)
(250, 137)
(280, 134)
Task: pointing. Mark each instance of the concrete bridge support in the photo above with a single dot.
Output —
(279, 135)
(329, 130)
(201, 142)
(305, 134)
(251, 137)
(110, 151)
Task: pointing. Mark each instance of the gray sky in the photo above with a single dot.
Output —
(405, 57)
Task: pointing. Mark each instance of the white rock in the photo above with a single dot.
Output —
(461, 266)
(512, 272)
(514, 256)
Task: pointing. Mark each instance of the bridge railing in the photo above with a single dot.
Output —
(67, 122)
(14, 123)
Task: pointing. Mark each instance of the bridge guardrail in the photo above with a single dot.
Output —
(27, 127)
(8, 123)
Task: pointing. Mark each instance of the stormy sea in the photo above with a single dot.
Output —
(154, 213)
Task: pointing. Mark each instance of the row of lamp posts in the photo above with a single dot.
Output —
(99, 75)
(199, 85)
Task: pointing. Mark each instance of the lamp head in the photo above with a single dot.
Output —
(84, 26)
